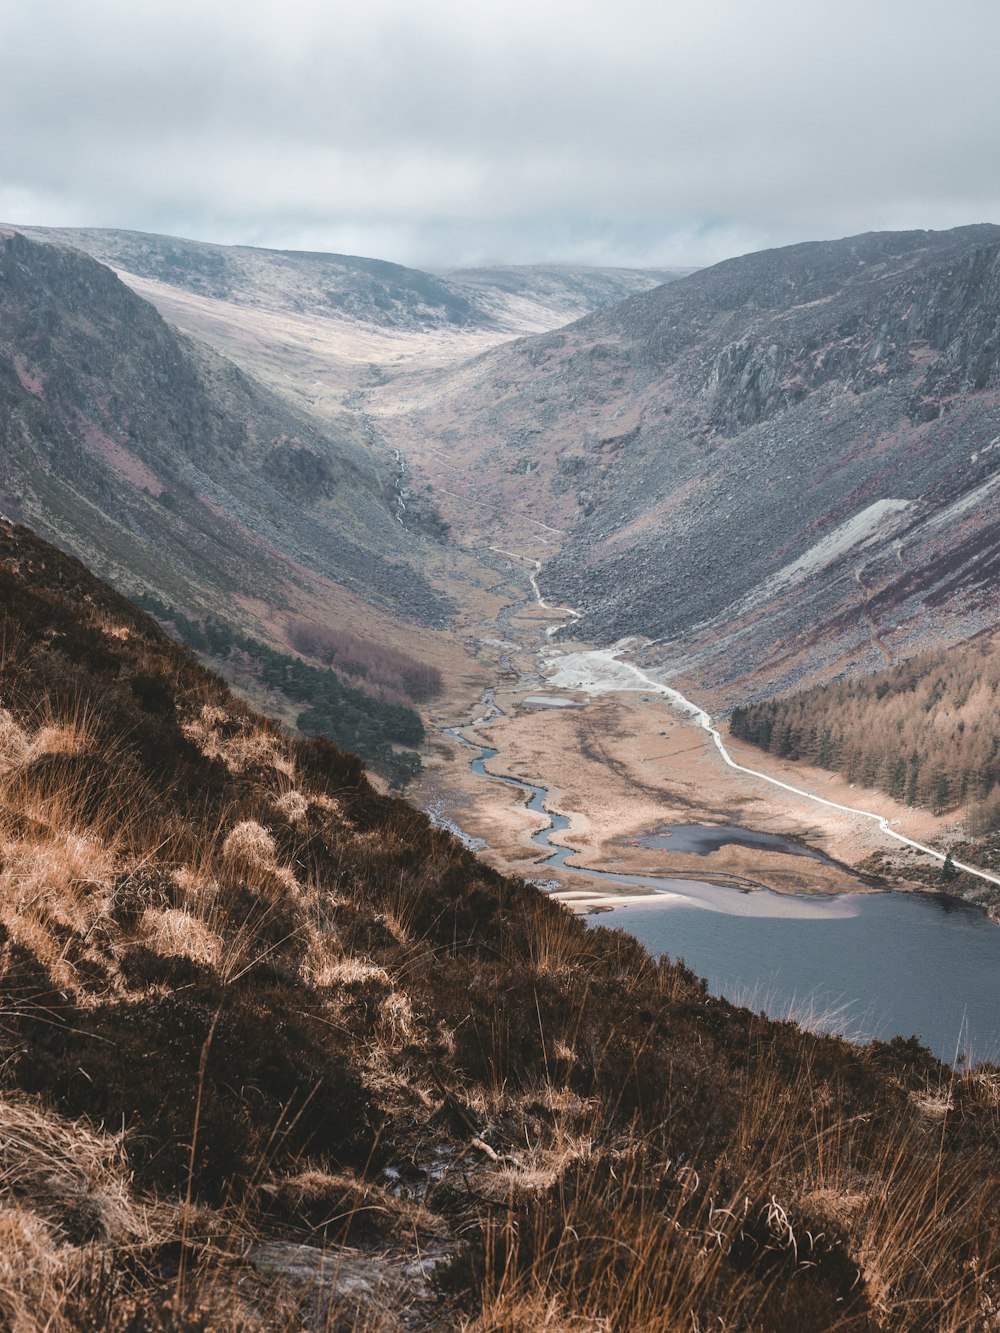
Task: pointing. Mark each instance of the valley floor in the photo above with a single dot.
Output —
(623, 764)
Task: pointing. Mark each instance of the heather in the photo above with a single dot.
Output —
(381, 730)
(279, 1054)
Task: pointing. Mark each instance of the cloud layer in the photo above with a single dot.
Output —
(444, 133)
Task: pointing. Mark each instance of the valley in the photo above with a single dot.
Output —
(476, 555)
(619, 753)
(503, 445)
(317, 327)
(613, 793)
(731, 465)
(499, 668)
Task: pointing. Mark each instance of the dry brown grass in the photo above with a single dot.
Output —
(273, 1024)
(78, 1177)
(237, 741)
(250, 855)
(293, 806)
(13, 741)
(64, 1189)
(175, 933)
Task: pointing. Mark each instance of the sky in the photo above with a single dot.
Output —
(439, 133)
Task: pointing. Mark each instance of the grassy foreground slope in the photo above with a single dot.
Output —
(380, 732)
(280, 1055)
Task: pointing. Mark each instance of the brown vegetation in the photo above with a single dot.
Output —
(926, 732)
(387, 672)
(278, 1052)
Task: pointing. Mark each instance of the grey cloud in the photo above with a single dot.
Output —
(438, 133)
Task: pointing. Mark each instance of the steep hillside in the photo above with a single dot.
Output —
(318, 327)
(511, 299)
(281, 1055)
(781, 465)
(382, 731)
(370, 291)
(172, 471)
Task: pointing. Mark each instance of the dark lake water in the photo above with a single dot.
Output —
(701, 839)
(866, 964)
(900, 963)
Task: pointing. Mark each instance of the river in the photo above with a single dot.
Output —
(868, 965)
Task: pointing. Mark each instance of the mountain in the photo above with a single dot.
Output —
(280, 1054)
(317, 327)
(530, 298)
(370, 291)
(781, 467)
(174, 473)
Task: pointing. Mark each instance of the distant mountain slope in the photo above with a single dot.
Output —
(370, 291)
(171, 470)
(771, 464)
(528, 298)
(317, 328)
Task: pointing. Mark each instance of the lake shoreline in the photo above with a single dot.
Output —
(623, 769)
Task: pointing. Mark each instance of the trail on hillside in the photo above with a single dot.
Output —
(606, 657)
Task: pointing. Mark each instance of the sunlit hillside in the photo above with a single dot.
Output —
(927, 731)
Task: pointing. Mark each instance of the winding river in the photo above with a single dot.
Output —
(867, 965)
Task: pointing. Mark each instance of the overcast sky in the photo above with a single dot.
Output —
(438, 132)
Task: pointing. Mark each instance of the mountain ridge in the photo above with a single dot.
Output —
(174, 472)
(682, 448)
(375, 291)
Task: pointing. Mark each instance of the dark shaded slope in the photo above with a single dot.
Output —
(774, 326)
(321, 1028)
(167, 467)
(825, 464)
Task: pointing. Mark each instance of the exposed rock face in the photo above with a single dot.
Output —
(170, 469)
(771, 462)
